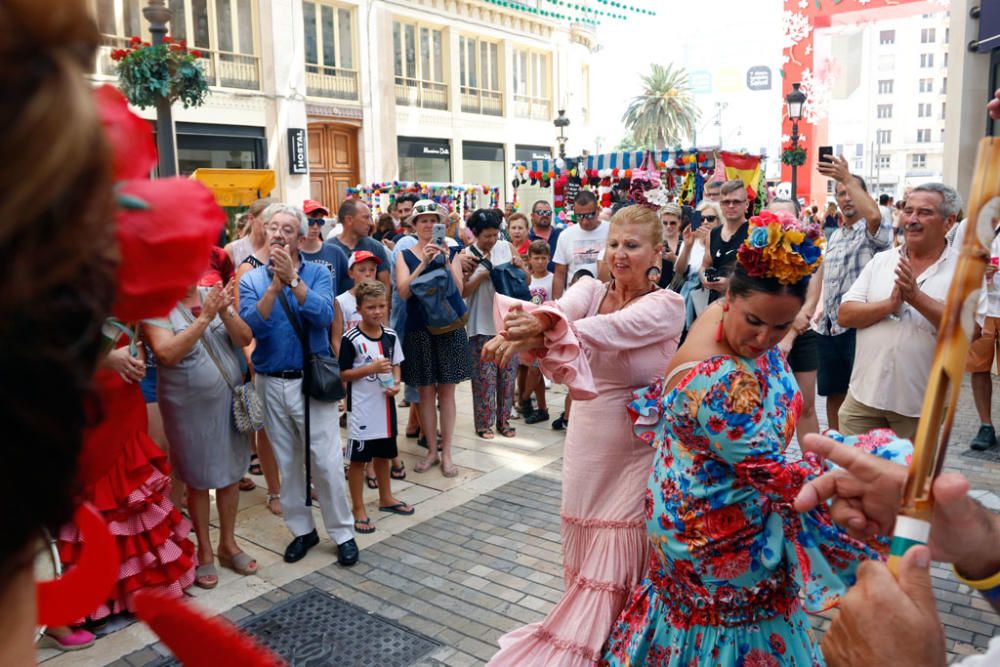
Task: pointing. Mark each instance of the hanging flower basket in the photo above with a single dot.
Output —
(146, 73)
(793, 157)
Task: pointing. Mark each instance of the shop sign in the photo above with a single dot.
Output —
(298, 163)
(759, 78)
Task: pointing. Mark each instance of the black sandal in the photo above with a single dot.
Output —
(255, 468)
(372, 482)
(363, 526)
(398, 473)
(507, 431)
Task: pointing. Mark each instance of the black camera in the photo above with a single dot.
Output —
(711, 274)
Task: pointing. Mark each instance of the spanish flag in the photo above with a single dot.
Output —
(744, 167)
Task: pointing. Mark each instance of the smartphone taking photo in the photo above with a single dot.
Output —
(437, 234)
(825, 154)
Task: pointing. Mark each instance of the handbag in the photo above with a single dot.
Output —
(442, 304)
(321, 372)
(248, 413)
(507, 278)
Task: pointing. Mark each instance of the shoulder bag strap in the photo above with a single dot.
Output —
(208, 348)
(294, 320)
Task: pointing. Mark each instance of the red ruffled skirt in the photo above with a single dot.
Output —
(133, 497)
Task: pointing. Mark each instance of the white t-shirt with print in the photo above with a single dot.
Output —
(579, 249)
(349, 309)
(541, 289)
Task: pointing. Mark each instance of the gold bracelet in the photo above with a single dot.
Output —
(979, 584)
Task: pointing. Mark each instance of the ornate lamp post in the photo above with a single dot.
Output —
(796, 100)
(158, 16)
(561, 122)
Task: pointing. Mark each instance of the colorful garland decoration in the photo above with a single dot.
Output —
(457, 197)
(506, 4)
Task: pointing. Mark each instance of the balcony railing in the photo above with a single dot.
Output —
(535, 108)
(481, 101)
(222, 68)
(334, 82)
(420, 93)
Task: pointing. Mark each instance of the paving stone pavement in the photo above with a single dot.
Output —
(492, 562)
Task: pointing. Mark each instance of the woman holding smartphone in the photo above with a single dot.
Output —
(433, 362)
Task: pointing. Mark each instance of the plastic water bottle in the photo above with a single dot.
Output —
(385, 379)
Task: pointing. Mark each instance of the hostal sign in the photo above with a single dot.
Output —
(297, 161)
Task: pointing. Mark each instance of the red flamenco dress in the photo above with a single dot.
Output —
(133, 498)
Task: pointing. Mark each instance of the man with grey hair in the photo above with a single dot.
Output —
(269, 295)
(713, 190)
(896, 306)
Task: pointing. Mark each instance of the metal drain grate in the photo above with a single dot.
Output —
(315, 630)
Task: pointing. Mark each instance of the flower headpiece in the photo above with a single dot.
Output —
(779, 246)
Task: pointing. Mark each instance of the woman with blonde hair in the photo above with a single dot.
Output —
(690, 258)
(603, 341)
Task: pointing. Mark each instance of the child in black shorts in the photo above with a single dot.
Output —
(370, 355)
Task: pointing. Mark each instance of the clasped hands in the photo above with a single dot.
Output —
(522, 331)
(284, 269)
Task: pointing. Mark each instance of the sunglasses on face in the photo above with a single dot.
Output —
(709, 218)
(543, 214)
(669, 223)
(586, 216)
(316, 221)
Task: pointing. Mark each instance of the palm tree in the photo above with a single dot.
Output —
(665, 112)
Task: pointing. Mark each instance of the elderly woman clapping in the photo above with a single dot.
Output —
(198, 348)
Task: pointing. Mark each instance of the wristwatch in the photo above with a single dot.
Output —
(295, 282)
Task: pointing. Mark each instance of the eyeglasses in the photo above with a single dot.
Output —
(316, 221)
(429, 207)
(709, 218)
(586, 216)
(543, 214)
(733, 202)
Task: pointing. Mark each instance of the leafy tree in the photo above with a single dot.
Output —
(665, 113)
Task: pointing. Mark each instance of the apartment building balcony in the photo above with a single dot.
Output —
(332, 82)
(421, 93)
(482, 101)
(222, 68)
(535, 108)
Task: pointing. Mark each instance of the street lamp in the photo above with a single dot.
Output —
(561, 122)
(158, 16)
(796, 100)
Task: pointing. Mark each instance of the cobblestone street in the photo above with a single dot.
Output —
(480, 557)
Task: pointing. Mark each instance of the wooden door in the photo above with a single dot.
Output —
(333, 162)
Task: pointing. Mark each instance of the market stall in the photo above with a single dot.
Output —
(666, 175)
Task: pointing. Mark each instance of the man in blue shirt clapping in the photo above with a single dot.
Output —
(278, 360)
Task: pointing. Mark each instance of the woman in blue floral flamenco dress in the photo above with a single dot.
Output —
(729, 556)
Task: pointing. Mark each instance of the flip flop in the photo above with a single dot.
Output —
(238, 563)
(247, 484)
(363, 526)
(255, 468)
(203, 572)
(397, 509)
(398, 473)
(372, 482)
(425, 465)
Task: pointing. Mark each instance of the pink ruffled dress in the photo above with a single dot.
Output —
(602, 359)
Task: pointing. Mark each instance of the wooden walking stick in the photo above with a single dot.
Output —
(938, 412)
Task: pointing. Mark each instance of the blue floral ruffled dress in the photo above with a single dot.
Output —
(729, 556)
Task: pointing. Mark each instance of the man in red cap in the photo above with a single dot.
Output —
(313, 209)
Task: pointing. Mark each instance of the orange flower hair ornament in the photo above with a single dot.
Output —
(779, 246)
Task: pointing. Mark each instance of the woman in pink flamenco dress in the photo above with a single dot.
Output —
(603, 341)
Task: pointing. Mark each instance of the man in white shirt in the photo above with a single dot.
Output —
(896, 305)
(580, 246)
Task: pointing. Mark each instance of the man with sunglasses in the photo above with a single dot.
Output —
(725, 240)
(582, 245)
(541, 228)
(313, 249)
